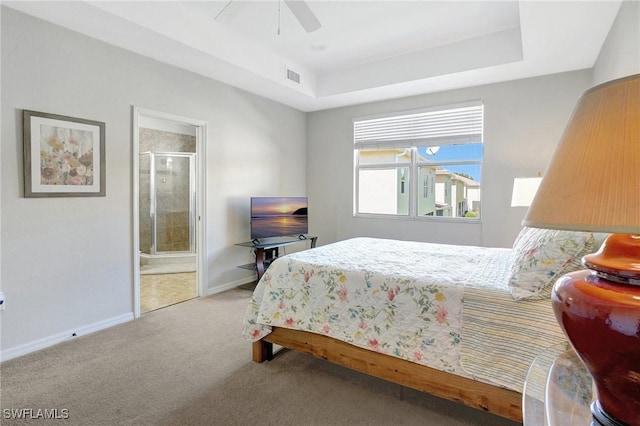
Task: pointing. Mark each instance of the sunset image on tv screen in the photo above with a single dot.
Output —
(278, 216)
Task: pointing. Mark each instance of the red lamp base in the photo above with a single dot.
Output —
(599, 311)
(601, 418)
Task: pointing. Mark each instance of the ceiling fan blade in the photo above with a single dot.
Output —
(304, 15)
(229, 11)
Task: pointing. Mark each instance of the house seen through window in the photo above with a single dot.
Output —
(420, 163)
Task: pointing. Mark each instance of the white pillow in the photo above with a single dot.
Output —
(540, 256)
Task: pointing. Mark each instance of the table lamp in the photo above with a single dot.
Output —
(593, 184)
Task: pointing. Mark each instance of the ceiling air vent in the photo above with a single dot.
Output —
(293, 76)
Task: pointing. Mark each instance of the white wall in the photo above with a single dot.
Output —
(67, 262)
(524, 120)
(620, 54)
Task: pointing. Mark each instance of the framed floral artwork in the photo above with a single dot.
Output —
(63, 156)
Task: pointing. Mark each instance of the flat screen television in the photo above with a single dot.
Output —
(278, 217)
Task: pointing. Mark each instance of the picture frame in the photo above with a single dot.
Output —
(63, 156)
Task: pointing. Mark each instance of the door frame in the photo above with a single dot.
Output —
(200, 224)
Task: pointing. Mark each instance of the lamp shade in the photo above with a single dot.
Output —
(524, 189)
(593, 181)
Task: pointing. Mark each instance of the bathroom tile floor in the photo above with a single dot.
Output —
(161, 290)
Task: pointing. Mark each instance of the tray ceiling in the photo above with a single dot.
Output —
(364, 50)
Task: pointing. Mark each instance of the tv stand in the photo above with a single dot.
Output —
(268, 250)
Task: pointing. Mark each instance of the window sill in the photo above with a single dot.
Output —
(432, 219)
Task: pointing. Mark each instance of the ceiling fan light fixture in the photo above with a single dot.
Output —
(229, 11)
(300, 10)
(304, 15)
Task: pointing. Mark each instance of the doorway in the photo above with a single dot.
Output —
(167, 201)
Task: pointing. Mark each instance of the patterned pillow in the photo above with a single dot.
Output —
(540, 256)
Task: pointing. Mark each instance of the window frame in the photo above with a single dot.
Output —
(414, 164)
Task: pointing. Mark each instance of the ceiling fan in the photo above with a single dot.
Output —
(299, 8)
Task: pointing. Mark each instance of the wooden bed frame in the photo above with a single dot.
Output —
(496, 400)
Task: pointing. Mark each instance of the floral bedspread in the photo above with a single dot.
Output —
(396, 297)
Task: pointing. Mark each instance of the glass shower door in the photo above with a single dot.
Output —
(174, 207)
(144, 207)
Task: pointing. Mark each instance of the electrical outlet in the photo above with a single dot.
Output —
(2, 301)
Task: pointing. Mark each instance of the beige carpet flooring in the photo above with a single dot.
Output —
(187, 364)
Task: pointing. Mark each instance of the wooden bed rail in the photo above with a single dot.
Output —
(482, 396)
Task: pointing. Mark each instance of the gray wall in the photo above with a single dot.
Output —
(524, 119)
(67, 262)
(620, 54)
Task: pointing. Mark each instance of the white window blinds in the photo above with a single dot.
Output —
(435, 127)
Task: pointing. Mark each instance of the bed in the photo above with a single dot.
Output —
(459, 322)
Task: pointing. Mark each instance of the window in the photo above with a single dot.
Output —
(420, 164)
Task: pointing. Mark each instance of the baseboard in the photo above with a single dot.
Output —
(20, 350)
(43, 343)
(229, 286)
